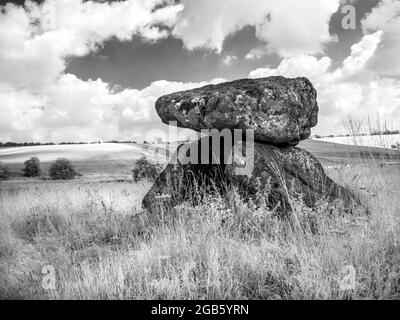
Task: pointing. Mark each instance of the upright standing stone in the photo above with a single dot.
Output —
(280, 176)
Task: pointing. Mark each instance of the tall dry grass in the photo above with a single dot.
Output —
(102, 246)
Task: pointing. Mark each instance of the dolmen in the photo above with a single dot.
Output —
(250, 131)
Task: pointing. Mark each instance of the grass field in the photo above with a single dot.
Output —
(102, 245)
(112, 159)
(91, 160)
(383, 141)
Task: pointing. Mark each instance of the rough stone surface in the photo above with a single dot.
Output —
(279, 175)
(280, 110)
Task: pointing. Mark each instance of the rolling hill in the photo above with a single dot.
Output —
(119, 159)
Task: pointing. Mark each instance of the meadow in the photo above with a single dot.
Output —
(383, 141)
(102, 245)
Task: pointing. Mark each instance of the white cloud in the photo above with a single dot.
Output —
(308, 66)
(228, 60)
(36, 39)
(72, 109)
(38, 100)
(255, 53)
(361, 53)
(19, 108)
(350, 90)
(297, 27)
(289, 27)
(385, 17)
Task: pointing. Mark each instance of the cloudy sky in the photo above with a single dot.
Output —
(81, 70)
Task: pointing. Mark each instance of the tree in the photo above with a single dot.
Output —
(62, 169)
(4, 173)
(32, 168)
(145, 170)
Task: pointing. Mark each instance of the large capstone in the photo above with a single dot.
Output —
(281, 111)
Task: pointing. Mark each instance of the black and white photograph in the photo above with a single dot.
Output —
(199, 150)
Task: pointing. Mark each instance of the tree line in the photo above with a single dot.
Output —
(31, 144)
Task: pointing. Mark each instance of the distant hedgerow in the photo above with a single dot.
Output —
(32, 168)
(4, 173)
(145, 170)
(62, 169)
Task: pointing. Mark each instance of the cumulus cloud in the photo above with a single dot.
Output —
(385, 17)
(72, 109)
(349, 90)
(289, 27)
(228, 60)
(19, 108)
(38, 100)
(305, 65)
(36, 39)
(255, 53)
